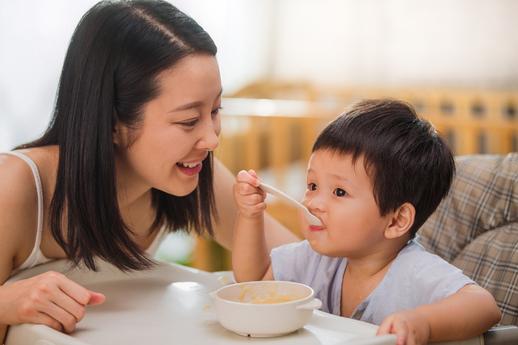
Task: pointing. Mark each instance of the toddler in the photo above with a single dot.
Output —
(375, 175)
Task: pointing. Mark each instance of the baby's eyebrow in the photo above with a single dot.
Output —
(341, 178)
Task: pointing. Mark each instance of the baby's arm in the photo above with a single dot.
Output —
(467, 313)
(250, 259)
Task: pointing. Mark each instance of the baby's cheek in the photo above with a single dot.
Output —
(305, 199)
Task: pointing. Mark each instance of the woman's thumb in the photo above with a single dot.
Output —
(96, 298)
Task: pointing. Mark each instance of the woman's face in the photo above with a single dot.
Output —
(178, 129)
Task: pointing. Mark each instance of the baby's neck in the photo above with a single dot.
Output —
(377, 261)
(368, 267)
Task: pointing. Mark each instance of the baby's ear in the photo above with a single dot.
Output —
(401, 221)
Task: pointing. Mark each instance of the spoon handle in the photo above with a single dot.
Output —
(272, 190)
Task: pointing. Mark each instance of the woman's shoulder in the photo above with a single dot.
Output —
(16, 181)
(18, 208)
(16, 177)
(18, 195)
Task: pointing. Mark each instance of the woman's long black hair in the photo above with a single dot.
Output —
(110, 71)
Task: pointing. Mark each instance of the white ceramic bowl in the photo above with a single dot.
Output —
(264, 308)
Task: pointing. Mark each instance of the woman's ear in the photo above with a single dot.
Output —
(119, 134)
(401, 221)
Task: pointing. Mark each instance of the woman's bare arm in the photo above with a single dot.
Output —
(49, 298)
(275, 233)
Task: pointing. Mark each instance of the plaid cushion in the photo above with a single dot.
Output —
(476, 227)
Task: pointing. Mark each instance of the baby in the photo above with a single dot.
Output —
(375, 175)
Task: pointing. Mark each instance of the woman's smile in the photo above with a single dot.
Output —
(190, 169)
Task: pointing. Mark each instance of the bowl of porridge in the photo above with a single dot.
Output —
(264, 308)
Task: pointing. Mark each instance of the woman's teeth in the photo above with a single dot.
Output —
(188, 165)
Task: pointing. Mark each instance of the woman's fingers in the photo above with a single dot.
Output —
(69, 304)
(63, 317)
(80, 294)
(44, 319)
(49, 298)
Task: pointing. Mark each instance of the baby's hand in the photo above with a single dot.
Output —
(410, 327)
(249, 197)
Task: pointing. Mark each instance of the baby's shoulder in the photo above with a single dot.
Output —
(414, 261)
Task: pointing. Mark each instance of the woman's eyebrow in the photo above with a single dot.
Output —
(187, 106)
(194, 104)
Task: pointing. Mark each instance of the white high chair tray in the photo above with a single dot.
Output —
(170, 304)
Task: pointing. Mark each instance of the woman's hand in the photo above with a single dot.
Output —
(249, 197)
(49, 298)
(409, 326)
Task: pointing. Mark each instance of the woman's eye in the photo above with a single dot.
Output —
(216, 111)
(190, 123)
(339, 192)
(312, 186)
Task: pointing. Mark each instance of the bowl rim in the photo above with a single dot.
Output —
(311, 294)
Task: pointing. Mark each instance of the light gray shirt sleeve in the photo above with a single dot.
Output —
(436, 279)
(416, 277)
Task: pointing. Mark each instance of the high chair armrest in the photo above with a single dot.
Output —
(501, 335)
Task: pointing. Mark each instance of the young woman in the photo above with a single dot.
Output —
(126, 158)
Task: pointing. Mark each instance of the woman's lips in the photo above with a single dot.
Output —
(190, 171)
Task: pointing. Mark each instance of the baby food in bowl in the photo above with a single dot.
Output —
(264, 308)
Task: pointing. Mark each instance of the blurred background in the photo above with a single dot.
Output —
(288, 67)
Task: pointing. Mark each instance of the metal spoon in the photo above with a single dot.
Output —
(312, 220)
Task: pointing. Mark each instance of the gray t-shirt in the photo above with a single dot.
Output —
(414, 278)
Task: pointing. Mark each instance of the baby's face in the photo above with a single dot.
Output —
(340, 193)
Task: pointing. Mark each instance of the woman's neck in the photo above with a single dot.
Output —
(130, 187)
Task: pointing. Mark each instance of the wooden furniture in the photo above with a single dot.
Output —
(272, 131)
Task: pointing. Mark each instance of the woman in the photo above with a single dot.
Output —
(126, 158)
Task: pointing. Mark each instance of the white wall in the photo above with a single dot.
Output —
(471, 43)
(34, 36)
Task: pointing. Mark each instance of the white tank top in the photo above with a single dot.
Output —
(36, 257)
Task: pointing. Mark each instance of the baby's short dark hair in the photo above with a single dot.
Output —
(403, 154)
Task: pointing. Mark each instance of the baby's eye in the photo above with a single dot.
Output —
(312, 186)
(339, 192)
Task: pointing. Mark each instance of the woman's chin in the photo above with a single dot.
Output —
(180, 190)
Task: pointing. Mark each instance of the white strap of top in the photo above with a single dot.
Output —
(33, 257)
(39, 191)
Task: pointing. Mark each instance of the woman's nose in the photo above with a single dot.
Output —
(210, 136)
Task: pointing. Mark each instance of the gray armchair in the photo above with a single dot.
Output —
(476, 229)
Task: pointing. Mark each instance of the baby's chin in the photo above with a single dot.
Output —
(322, 249)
